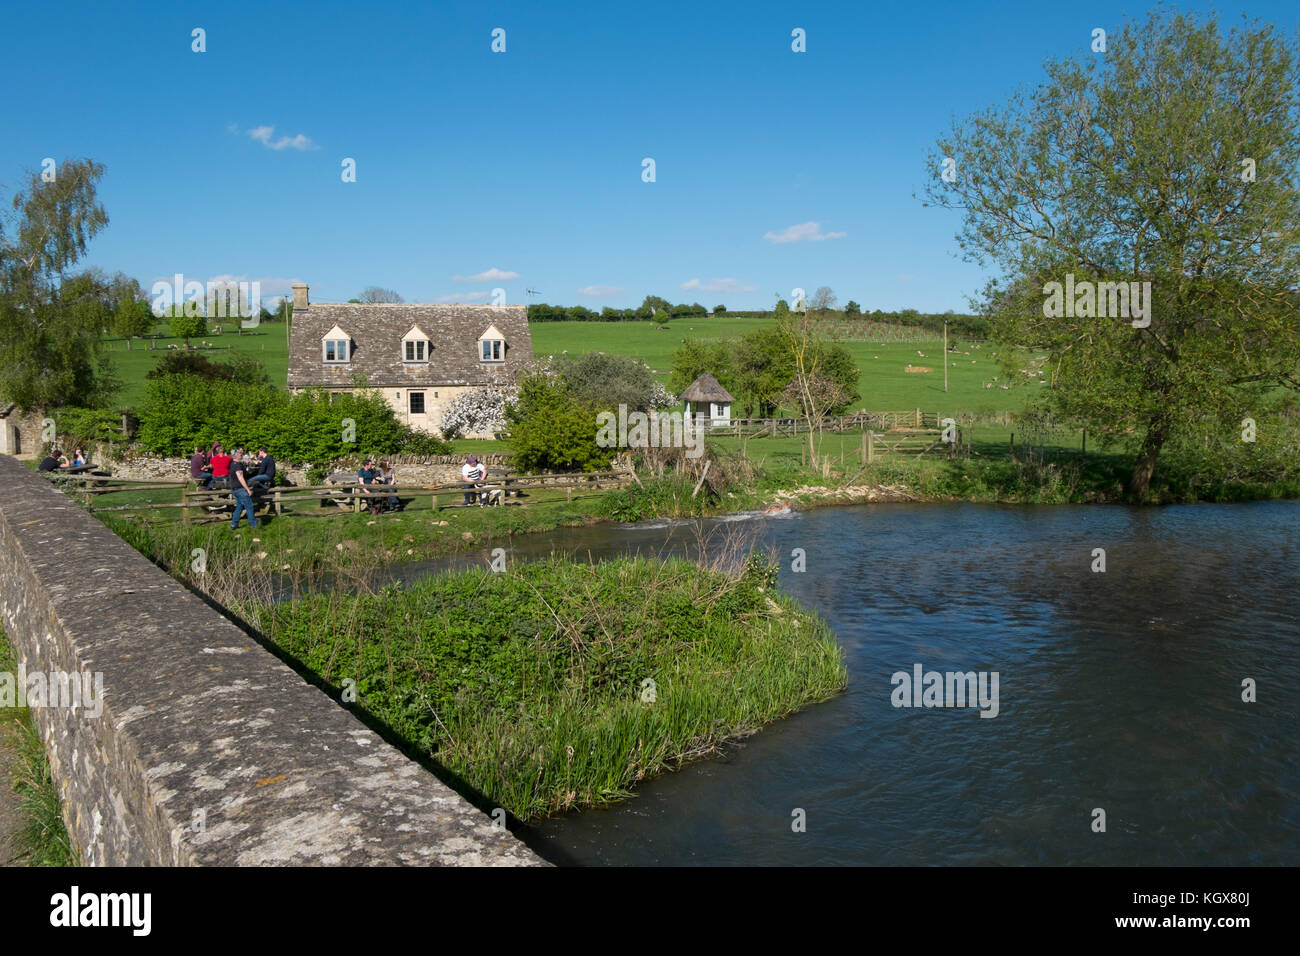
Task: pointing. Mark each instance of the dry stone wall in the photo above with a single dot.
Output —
(203, 748)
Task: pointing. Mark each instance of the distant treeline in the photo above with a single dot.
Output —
(576, 313)
(970, 326)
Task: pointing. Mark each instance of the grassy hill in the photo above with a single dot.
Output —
(266, 343)
(884, 384)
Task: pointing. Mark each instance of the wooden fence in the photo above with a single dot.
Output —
(343, 497)
(860, 421)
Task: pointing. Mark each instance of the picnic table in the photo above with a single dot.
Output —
(222, 499)
(79, 474)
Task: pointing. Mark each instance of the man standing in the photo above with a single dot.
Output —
(242, 492)
(475, 473)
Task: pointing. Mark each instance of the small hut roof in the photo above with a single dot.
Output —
(706, 389)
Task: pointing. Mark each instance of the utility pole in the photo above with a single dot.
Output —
(945, 356)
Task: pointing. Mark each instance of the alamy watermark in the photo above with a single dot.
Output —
(651, 430)
(923, 688)
(55, 689)
(1102, 300)
(218, 298)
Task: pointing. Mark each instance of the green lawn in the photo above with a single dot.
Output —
(266, 343)
(884, 384)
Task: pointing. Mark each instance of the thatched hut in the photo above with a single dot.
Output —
(706, 397)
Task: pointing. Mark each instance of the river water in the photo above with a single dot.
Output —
(1118, 690)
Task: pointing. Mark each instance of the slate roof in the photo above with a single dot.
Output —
(706, 389)
(377, 330)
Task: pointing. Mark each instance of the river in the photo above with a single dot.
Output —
(1118, 691)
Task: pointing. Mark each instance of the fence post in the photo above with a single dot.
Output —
(279, 508)
(185, 505)
(871, 447)
(862, 454)
(918, 418)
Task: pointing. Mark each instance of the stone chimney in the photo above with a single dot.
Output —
(300, 295)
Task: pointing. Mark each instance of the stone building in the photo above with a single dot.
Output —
(419, 357)
(20, 432)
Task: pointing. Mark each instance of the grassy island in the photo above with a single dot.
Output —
(557, 684)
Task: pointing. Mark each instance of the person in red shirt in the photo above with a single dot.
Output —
(220, 467)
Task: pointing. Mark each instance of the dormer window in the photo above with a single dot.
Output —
(492, 345)
(415, 346)
(336, 347)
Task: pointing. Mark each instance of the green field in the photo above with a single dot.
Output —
(884, 384)
(267, 343)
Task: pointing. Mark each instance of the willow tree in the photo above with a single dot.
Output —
(1170, 157)
(51, 320)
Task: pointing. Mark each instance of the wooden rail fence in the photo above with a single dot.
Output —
(349, 496)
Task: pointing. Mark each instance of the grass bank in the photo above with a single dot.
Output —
(40, 837)
(545, 687)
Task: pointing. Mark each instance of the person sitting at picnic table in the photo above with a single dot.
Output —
(199, 469)
(78, 458)
(365, 479)
(387, 477)
(240, 489)
(265, 475)
(52, 462)
(473, 472)
(220, 467)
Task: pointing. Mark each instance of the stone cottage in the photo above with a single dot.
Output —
(419, 357)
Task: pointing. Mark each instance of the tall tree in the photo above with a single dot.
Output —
(51, 320)
(823, 300)
(132, 315)
(373, 294)
(1172, 160)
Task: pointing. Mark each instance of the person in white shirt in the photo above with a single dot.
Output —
(474, 472)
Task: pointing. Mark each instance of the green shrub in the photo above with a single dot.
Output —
(552, 430)
(181, 411)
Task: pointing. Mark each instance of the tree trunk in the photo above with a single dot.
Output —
(1145, 465)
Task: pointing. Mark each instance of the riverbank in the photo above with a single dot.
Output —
(544, 688)
(32, 832)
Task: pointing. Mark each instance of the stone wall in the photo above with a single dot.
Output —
(208, 750)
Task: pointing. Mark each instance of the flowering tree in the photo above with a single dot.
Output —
(478, 412)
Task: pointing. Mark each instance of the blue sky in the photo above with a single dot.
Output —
(470, 164)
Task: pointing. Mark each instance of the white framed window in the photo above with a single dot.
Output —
(336, 347)
(492, 345)
(416, 346)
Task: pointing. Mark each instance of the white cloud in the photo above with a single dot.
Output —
(265, 136)
(732, 286)
(461, 298)
(492, 275)
(600, 291)
(804, 232)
